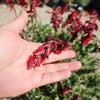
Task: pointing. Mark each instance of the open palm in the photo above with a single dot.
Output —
(15, 79)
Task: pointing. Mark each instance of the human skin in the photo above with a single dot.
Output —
(15, 79)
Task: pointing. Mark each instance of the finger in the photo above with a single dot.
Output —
(74, 65)
(18, 24)
(68, 54)
(54, 77)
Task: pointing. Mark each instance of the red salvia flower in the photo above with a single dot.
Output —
(88, 29)
(7, 1)
(45, 50)
(19, 2)
(56, 18)
(22, 36)
(56, 62)
(25, 4)
(73, 15)
(74, 24)
(91, 25)
(65, 8)
(70, 18)
(50, 37)
(91, 19)
(95, 14)
(57, 10)
(12, 7)
(86, 39)
(77, 97)
(87, 14)
(22, 3)
(33, 6)
(66, 91)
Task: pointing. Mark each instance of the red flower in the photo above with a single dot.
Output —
(88, 29)
(86, 39)
(56, 18)
(31, 57)
(56, 10)
(70, 18)
(33, 6)
(19, 2)
(12, 7)
(45, 50)
(77, 97)
(50, 37)
(22, 3)
(56, 62)
(25, 4)
(65, 8)
(73, 15)
(7, 1)
(87, 14)
(22, 36)
(90, 26)
(95, 14)
(66, 91)
(73, 23)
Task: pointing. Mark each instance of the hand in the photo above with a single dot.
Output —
(15, 79)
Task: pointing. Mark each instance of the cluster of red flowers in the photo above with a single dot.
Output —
(19, 2)
(33, 4)
(77, 97)
(71, 18)
(88, 29)
(94, 14)
(45, 50)
(68, 91)
(32, 11)
(56, 18)
(73, 23)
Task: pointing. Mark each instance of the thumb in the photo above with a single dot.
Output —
(19, 23)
